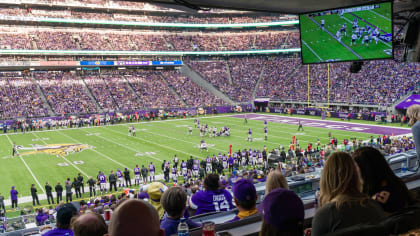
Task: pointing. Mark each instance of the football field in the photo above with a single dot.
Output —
(322, 45)
(54, 155)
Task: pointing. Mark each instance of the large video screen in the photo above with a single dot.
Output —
(347, 34)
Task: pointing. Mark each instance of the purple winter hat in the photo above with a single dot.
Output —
(282, 209)
(244, 190)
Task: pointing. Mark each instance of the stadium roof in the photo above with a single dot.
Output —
(281, 6)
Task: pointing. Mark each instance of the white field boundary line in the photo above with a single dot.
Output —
(157, 144)
(77, 168)
(123, 124)
(312, 50)
(94, 150)
(27, 167)
(122, 145)
(386, 18)
(293, 130)
(340, 122)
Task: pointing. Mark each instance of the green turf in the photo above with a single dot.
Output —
(319, 46)
(112, 148)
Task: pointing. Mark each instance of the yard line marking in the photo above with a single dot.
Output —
(71, 163)
(161, 145)
(312, 51)
(328, 32)
(107, 157)
(122, 145)
(386, 18)
(27, 167)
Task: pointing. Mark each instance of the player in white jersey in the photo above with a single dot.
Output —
(129, 130)
(338, 36)
(322, 23)
(203, 146)
(353, 39)
(189, 130)
(366, 40)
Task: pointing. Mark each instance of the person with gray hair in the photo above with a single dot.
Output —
(135, 218)
(413, 113)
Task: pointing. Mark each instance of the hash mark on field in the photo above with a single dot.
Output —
(27, 167)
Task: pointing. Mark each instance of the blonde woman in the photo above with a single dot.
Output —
(342, 202)
(413, 113)
(275, 179)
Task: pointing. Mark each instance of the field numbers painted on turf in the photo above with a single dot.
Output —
(74, 162)
(93, 134)
(144, 154)
(41, 139)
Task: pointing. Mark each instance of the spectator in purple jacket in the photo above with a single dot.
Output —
(14, 197)
(245, 197)
(213, 198)
(41, 217)
(64, 216)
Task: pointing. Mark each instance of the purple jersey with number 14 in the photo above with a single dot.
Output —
(212, 201)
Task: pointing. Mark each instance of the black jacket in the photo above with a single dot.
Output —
(126, 174)
(112, 178)
(33, 191)
(48, 188)
(59, 188)
(91, 182)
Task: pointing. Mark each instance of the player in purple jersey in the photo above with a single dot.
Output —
(174, 175)
(249, 135)
(265, 123)
(102, 181)
(230, 162)
(120, 179)
(212, 198)
(184, 169)
(208, 165)
(265, 133)
(224, 161)
(152, 171)
(196, 168)
(137, 175)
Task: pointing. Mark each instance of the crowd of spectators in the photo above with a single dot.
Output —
(152, 90)
(245, 73)
(215, 72)
(146, 41)
(121, 91)
(100, 92)
(202, 18)
(19, 97)
(65, 93)
(191, 93)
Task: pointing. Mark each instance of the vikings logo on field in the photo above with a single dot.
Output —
(60, 150)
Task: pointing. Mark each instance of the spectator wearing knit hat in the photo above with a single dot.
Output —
(282, 213)
(245, 197)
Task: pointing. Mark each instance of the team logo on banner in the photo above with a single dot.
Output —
(59, 150)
